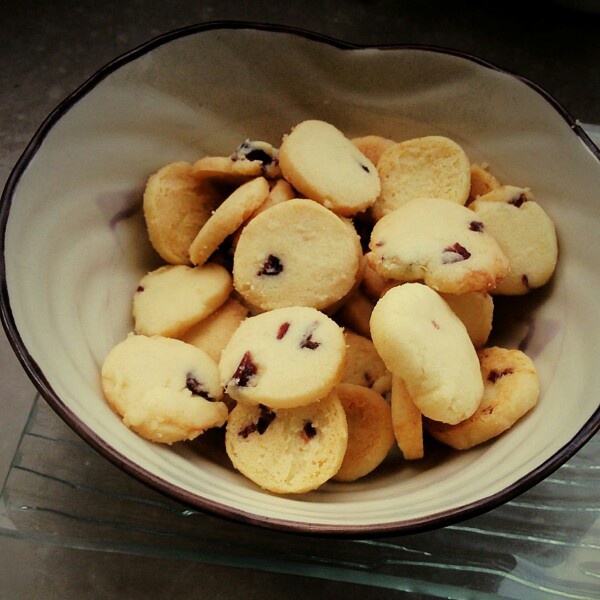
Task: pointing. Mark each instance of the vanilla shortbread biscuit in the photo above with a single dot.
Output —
(364, 366)
(370, 432)
(176, 206)
(164, 389)
(424, 343)
(439, 242)
(296, 253)
(226, 219)
(249, 160)
(288, 451)
(407, 421)
(525, 233)
(283, 358)
(426, 167)
(476, 311)
(324, 165)
(172, 298)
(482, 181)
(511, 389)
(214, 332)
(372, 146)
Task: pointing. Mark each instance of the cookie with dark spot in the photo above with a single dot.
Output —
(288, 450)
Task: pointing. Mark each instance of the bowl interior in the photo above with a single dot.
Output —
(75, 247)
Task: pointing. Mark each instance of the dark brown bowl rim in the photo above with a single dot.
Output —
(34, 372)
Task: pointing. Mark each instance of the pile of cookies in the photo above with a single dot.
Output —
(326, 300)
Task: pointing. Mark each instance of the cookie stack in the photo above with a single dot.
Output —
(327, 300)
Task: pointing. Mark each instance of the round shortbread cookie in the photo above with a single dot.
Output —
(172, 298)
(364, 366)
(407, 421)
(432, 166)
(482, 181)
(283, 358)
(423, 342)
(296, 253)
(525, 233)
(356, 313)
(476, 311)
(372, 146)
(214, 332)
(324, 165)
(227, 218)
(511, 389)
(288, 451)
(164, 389)
(370, 432)
(439, 242)
(176, 206)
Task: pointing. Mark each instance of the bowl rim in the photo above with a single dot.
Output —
(36, 375)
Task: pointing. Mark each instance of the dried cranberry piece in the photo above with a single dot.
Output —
(197, 388)
(271, 266)
(140, 288)
(518, 201)
(365, 168)
(308, 431)
(476, 226)
(246, 431)
(267, 416)
(307, 341)
(379, 243)
(435, 324)
(283, 329)
(246, 370)
(455, 253)
(494, 375)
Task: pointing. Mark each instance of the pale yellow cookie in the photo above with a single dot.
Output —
(283, 358)
(511, 389)
(372, 146)
(407, 421)
(370, 432)
(296, 253)
(176, 206)
(482, 181)
(212, 333)
(364, 366)
(476, 311)
(288, 451)
(172, 298)
(424, 343)
(525, 233)
(426, 167)
(324, 165)
(280, 191)
(164, 389)
(227, 218)
(439, 242)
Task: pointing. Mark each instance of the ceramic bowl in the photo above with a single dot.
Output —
(74, 247)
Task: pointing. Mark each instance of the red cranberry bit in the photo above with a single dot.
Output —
(245, 372)
(308, 431)
(476, 226)
(197, 389)
(267, 416)
(271, 266)
(379, 243)
(246, 431)
(518, 201)
(283, 329)
(365, 168)
(140, 288)
(525, 280)
(435, 324)
(307, 341)
(455, 253)
(494, 375)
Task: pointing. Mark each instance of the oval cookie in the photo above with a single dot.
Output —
(283, 358)
(424, 343)
(164, 389)
(432, 166)
(296, 253)
(288, 451)
(511, 389)
(324, 165)
(370, 432)
(439, 242)
(364, 366)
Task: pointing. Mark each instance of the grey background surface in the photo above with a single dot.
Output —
(48, 48)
